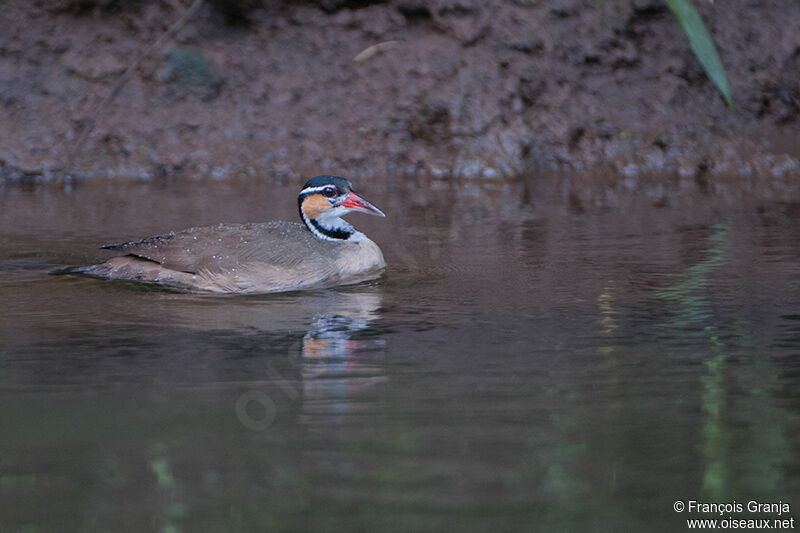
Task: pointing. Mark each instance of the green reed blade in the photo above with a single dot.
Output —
(701, 44)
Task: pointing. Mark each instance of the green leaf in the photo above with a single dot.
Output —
(702, 45)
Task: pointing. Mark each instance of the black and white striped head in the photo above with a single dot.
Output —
(324, 200)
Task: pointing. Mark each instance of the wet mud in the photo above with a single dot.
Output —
(606, 91)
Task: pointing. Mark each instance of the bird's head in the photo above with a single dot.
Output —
(324, 200)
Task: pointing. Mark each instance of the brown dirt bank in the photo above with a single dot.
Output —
(461, 88)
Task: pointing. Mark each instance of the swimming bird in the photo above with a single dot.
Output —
(266, 257)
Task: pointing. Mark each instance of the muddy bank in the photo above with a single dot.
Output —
(446, 88)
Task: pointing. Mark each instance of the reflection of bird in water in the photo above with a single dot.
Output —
(330, 336)
(259, 258)
(332, 362)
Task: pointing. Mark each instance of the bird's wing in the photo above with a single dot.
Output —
(224, 247)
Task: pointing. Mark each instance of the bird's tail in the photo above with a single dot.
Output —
(95, 271)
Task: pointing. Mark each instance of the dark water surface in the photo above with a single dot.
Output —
(527, 362)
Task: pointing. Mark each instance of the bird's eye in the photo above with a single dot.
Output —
(329, 192)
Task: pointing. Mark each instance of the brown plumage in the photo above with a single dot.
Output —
(258, 258)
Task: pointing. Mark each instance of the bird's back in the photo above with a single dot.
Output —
(263, 257)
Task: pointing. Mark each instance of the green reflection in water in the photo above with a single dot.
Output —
(714, 431)
(172, 510)
(160, 468)
(685, 294)
(744, 434)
